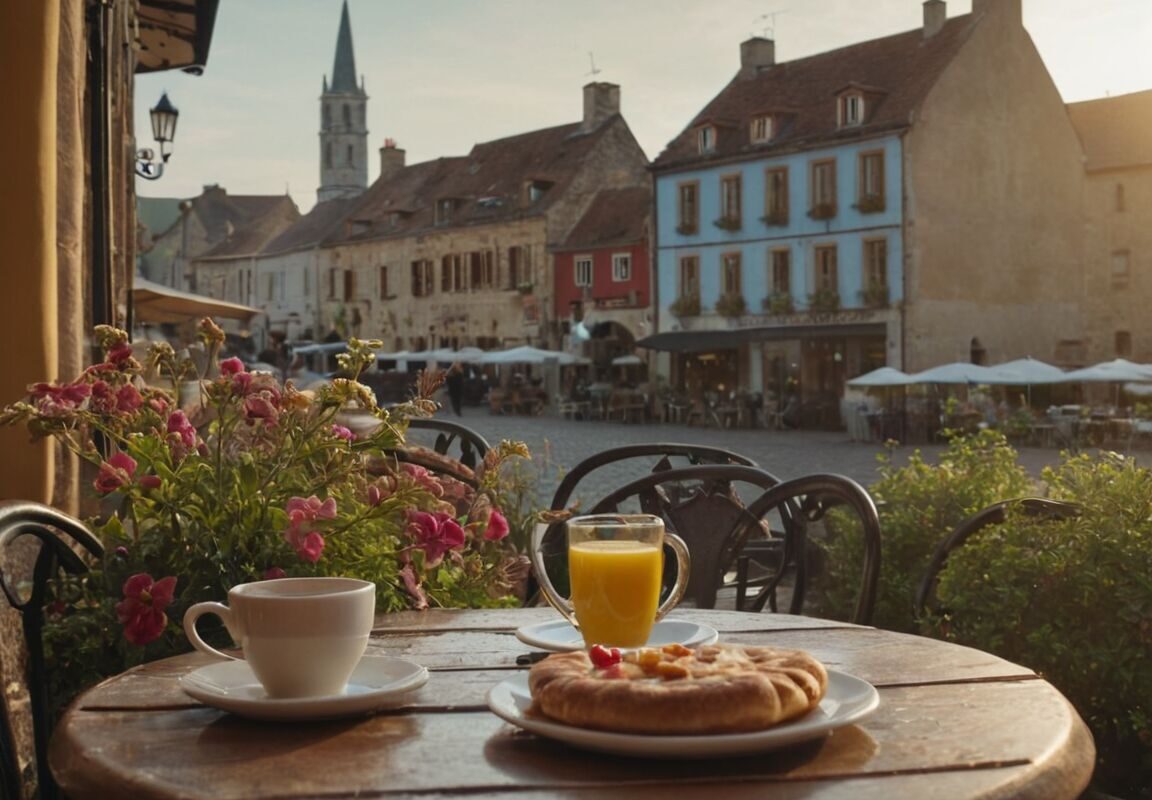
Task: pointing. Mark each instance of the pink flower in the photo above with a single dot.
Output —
(150, 482)
(412, 586)
(119, 355)
(435, 534)
(260, 406)
(117, 471)
(103, 400)
(141, 612)
(423, 478)
(310, 547)
(340, 432)
(497, 527)
(273, 573)
(128, 399)
(302, 511)
(54, 401)
(231, 366)
(181, 434)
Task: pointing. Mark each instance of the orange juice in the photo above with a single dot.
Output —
(615, 590)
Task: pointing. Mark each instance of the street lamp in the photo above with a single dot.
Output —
(164, 116)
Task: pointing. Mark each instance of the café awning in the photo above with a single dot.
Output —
(731, 338)
(154, 302)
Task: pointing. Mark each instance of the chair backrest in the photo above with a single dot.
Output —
(994, 514)
(471, 445)
(698, 501)
(805, 500)
(59, 536)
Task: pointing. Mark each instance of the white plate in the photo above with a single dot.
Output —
(848, 699)
(559, 636)
(376, 683)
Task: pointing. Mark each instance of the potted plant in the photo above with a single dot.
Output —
(822, 211)
(871, 204)
(824, 300)
(731, 304)
(686, 228)
(774, 218)
(778, 303)
(686, 305)
(254, 480)
(728, 223)
(525, 287)
(875, 296)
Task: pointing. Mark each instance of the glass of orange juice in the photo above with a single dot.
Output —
(616, 568)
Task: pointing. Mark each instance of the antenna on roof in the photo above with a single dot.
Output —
(769, 31)
(592, 60)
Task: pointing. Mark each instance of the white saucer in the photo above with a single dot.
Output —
(848, 699)
(559, 636)
(376, 683)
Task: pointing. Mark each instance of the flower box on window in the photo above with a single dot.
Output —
(875, 296)
(525, 287)
(822, 211)
(728, 223)
(731, 304)
(686, 305)
(824, 300)
(778, 303)
(686, 229)
(871, 204)
(775, 218)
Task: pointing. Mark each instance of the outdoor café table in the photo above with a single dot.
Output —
(952, 722)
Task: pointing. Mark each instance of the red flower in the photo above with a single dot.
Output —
(54, 401)
(181, 434)
(117, 471)
(119, 355)
(497, 527)
(141, 612)
(128, 399)
(231, 366)
(272, 573)
(435, 534)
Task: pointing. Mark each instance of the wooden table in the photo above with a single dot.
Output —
(953, 722)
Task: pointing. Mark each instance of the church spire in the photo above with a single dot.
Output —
(344, 67)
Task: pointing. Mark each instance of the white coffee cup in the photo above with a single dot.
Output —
(302, 637)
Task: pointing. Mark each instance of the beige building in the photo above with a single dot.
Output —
(1118, 244)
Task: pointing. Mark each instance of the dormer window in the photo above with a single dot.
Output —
(444, 208)
(851, 110)
(763, 129)
(534, 190)
(706, 139)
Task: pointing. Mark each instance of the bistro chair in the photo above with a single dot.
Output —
(800, 502)
(697, 490)
(60, 538)
(470, 445)
(455, 451)
(995, 514)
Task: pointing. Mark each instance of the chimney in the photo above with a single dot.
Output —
(601, 101)
(1011, 8)
(935, 14)
(391, 158)
(756, 54)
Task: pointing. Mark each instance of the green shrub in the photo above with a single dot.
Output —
(1072, 599)
(919, 503)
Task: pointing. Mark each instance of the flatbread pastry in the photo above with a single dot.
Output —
(717, 688)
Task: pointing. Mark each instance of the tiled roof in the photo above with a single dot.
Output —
(312, 228)
(614, 217)
(222, 214)
(252, 236)
(895, 72)
(488, 185)
(1115, 130)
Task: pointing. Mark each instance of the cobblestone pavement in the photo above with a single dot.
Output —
(559, 444)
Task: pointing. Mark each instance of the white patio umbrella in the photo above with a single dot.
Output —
(1026, 371)
(627, 360)
(955, 372)
(883, 376)
(1119, 370)
(526, 354)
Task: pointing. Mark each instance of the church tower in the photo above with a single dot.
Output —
(343, 125)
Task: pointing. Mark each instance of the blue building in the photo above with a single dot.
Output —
(810, 221)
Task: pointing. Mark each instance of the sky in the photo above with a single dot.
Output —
(443, 75)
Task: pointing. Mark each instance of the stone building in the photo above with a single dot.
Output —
(1118, 242)
(909, 200)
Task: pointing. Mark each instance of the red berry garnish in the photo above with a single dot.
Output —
(602, 657)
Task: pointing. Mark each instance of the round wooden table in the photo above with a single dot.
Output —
(953, 722)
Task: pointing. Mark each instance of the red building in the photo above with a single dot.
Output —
(602, 276)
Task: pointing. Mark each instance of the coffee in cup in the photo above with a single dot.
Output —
(302, 637)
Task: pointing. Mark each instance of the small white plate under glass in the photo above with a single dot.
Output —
(377, 683)
(559, 636)
(848, 700)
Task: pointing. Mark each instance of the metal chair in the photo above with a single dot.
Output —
(471, 445)
(995, 514)
(60, 536)
(800, 502)
(699, 501)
